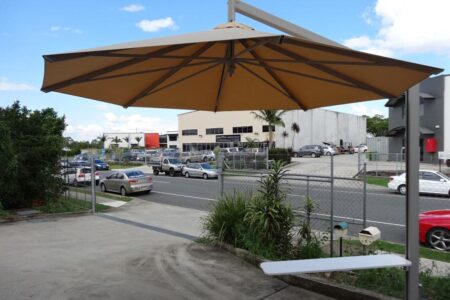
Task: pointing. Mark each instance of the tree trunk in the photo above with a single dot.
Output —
(270, 137)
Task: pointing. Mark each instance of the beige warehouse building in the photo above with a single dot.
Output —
(202, 130)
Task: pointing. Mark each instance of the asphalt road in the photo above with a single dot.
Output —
(385, 209)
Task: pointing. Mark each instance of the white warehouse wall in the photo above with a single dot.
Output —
(321, 125)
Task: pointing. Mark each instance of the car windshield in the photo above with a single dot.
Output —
(206, 166)
(174, 161)
(131, 174)
(443, 175)
(98, 161)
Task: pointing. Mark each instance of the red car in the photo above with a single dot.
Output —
(434, 229)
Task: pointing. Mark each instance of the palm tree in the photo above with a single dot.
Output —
(138, 139)
(116, 140)
(273, 118)
(251, 143)
(296, 129)
(285, 135)
(127, 139)
(102, 139)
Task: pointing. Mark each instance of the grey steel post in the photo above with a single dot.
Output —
(365, 196)
(331, 204)
(307, 186)
(359, 160)
(220, 171)
(93, 184)
(412, 192)
(231, 11)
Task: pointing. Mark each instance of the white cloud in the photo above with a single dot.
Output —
(6, 86)
(111, 122)
(361, 109)
(407, 26)
(56, 29)
(156, 25)
(133, 8)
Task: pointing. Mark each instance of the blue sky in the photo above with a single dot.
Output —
(412, 30)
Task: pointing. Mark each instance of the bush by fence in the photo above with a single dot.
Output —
(280, 154)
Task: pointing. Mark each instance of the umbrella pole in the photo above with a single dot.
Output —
(412, 192)
(231, 11)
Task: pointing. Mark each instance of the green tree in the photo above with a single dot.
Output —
(116, 140)
(138, 139)
(31, 144)
(273, 118)
(285, 135)
(295, 129)
(250, 143)
(377, 125)
(127, 140)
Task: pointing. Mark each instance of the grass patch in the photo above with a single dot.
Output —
(4, 213)
(380, 181)
(65, 205)
(400, 249)
(101, 194)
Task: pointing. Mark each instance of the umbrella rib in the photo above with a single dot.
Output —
(356, 82)
(183, 78)
(304, 75)
(169, 74)
(149, 71)
(264, 80)
(222, 79)
(274, 75)
(107, 69)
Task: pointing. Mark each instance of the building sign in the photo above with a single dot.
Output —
(228, 138)
(444, 155)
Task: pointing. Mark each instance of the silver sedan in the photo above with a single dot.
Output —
(127, 182)
(202, 170)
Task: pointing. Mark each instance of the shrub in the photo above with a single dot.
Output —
(226, 222)
(280, 154)
(31, 143)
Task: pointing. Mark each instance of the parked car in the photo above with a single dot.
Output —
(127, 182)
(308, 150)
(328, 150)
(202, 170)
(361, 148)
(208, 155)
(190, 157)
(434, 229)
(101, 165)
(79, 176)
(430, 182)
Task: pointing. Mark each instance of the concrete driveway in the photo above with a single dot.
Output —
(116, 256)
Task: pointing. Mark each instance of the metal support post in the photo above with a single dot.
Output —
(231, 11)
(359, 160)
(307, 186)
(365, 196)
(331, 205)
(93, 200)
(412, 192)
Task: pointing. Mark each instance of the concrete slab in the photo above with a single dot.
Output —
(94, 257)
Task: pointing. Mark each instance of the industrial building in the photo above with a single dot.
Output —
(201, 130)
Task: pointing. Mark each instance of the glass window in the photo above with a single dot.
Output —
(431, 176)
(120, 176)
(243, 129)
(214, 130)
(265, 128)
(189, 132)
(131, 174)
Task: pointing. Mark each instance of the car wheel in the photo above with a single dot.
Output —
(205, 159)
(172, 172)
(186, 174)
(439, 238)
(402, 189)
(147, 192)
(123, 191)
(328, 154)
(295, 154)
(103, 188)
(313, 155)
(188, 161)
(75, 183)
(156, 172)
(205, 176)
(97, 182)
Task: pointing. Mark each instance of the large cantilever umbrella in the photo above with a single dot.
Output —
(231, 67)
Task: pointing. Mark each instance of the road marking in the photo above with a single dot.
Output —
(157, 181)
(354, 219)
(184, 196)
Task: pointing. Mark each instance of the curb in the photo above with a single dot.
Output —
(12, 219)
(310, 282)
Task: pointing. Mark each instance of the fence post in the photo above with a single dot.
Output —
(359, 160)
(267, 158)
(331, 205)
(220, 170)
(307, 186)
(93, 183)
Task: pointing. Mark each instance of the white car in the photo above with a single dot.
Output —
(430, 182)
(79, 176)
(328, 150)
(361, 148)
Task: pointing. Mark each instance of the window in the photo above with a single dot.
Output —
(172, 138)
(265, 128)
(431, 176)
(189, 132)
(243, 129)
(214, 130)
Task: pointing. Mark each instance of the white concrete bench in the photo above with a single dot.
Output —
(331, 264)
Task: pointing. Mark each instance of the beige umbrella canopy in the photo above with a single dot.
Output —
(231, 67)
